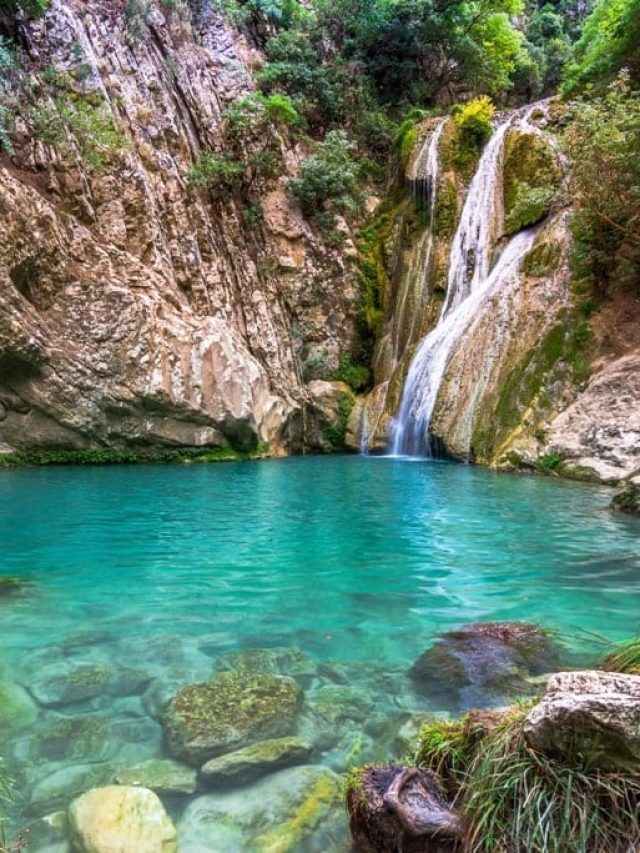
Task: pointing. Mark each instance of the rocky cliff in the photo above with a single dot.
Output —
(133, 309)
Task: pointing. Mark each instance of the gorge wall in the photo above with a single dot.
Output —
(137, 311)
(134, 310)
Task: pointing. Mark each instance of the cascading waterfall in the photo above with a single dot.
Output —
(471, 282)
(425, 176)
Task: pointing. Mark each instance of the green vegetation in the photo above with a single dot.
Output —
(624, 658)
(531, 179)
(128, 456)
(251, 152)
(355, 375)
(336, 433)
(603, 142)
(609, 43)
(330, 179)
(513, 798)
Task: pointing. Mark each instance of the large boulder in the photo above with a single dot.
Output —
(395, 808)
(121, 820)
(245, 765)
(589, 717)
(485, 663)
(234, 710)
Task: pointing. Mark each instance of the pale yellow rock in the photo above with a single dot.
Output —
(121, 819)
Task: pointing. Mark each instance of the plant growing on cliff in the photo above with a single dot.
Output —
(329, 180)
(252, 150)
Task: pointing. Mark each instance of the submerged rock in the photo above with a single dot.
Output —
(58, 789)
(121, 820)
(590, 718)
(295, 809)
(485, 663)
(81, 738)
(162, 776)
(234, 710)
(49, 834)
(395, 808)
(245, 765)
(277, 661)
(18, 711)
(67, 682)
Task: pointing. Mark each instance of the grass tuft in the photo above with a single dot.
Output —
(624, 658)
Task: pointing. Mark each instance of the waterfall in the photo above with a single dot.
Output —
(432, 358)
(424, 176)
(471, 283)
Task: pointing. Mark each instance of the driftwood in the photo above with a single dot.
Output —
(400, 809)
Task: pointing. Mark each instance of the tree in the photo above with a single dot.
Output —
(609, 43)
(603, 142)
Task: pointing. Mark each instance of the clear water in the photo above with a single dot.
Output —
(359, 561)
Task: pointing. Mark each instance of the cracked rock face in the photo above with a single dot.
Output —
(133, 309)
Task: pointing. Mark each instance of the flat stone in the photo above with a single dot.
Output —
(163, 776)
(296, 809)
(277, 661)
(58, 789)
(123, 819)
(245, 765)
(67, 682)
(591, 717)
(235, 710)
(74, 740)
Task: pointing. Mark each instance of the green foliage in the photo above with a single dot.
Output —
(329, 180)
(543, 259)
(474, 121)
(551, 462)
(624, 658)
(221, 174)
(127, 456)
(251, 152)
(444, 748)
(603, 143)
(609, 43)
(355, 375)
(335, 434)
(446, 212)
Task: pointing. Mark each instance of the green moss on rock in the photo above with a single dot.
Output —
(532, 178)
(446, 213)
(543, 259)
(234, 710)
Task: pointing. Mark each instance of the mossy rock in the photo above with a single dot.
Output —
(543, 259)
(73, 740)
(446, 212)
(161, 775)
(456, 155)
(481, 664)
(281, 660)
(252, 762)
(234, 710)
(532, 179)
(627, 499)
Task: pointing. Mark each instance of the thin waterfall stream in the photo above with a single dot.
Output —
(471, 283)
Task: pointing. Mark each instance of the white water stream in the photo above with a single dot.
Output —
(471, 283)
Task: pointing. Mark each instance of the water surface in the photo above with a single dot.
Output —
(358, 562)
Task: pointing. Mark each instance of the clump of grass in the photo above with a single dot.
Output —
(444, 748)
(519, 800)
(624, 658)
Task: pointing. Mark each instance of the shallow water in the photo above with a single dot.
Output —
(358, 562)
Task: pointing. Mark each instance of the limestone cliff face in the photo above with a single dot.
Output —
(134, 310)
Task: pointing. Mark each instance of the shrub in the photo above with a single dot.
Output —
(474, 122)
(222, 174)
(355, 375)
(329, 180)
